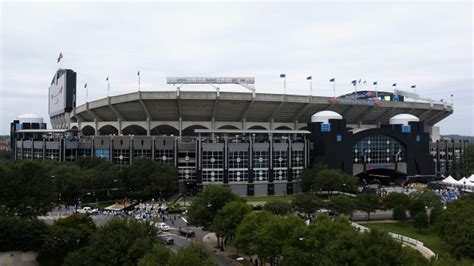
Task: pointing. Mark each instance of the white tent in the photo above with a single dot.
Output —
(450, 181)
(463, 181)
(471, 178)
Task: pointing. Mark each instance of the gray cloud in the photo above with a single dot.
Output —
(428, 44)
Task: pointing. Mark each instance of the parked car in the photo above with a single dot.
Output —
(186, 232)
(167, 240)
(162, 226)
(88, 210)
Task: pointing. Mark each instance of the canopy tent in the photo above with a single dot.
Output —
(471, 178)
(450, 180)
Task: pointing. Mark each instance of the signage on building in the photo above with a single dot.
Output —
(355, 102)
(381, 166)
(210, 80)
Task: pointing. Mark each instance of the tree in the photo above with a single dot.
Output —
(309, 175)
(420, 220)
(137, 175)
(342, 204)
(245, 233)
(64, 236)
(368, 203)
(321, 179)
(118, 242)
(163, 180)
(428, 197)
(416, 207)
(205, 206)
(435, 213)
(192, 255)
(17, 233)
(307, 203)
(278, 207)
(266, 235)
(455, 226)
(228, 218)
(162, 256)
(394, 199)
(399, 213)
(26, 190)
(337, 243)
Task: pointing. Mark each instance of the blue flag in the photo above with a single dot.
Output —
(309, 78)
(375, 82)
(282, 75)
(332, 80)
(354, 82)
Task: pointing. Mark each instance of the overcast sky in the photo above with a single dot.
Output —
(427, 44)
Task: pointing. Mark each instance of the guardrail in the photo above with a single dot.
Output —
(428, 253)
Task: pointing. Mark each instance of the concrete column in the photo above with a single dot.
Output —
(119, 122)
(148, 127)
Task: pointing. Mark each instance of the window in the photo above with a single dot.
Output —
(406, 128)
(325, 127)
(238, 166)
(378, 149)
(338, 138)
(418, 138)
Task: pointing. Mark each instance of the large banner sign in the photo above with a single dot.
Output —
(62, 92)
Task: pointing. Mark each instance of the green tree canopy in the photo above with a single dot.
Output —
(368, 202)
(229, 217)
(207, 203)
(266, 235)
(420, 220)
(456, 228)
(159, 255)
(307, 203)
(394, 199)
(118, 242)
(319, 178)
(26, 189)
(416, 207)
(399, 213)
(17, 233)
(64, 236)
(342, 204)
(278, 207)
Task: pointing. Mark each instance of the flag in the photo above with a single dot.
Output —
(360, 80)
(85, 85)
(413, 86)
(332, 80)
(60, 56)
(309, 78)
(452, 95)
(365, 81)
(375, 82)
(354, 82)
(138, 73)
(394, 84)
(282, 75)
(107, 79)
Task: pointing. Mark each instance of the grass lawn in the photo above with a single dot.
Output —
(269, 198)
(428, 236)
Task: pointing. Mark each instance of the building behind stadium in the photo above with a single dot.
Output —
(255, 143)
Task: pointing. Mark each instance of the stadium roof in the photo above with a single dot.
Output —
(238, 106)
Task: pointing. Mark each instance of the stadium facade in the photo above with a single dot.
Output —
(255, 143)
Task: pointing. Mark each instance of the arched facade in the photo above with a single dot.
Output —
(134, 130)
(88, 131)
(189, 131)
(108, 130)
(164, 130)
(228, 127)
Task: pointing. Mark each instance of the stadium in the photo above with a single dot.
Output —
(255, 143)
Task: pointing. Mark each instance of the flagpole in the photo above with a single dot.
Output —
(87, 92)
(284, 84)
(311, 86)
(334, 88)
(138, 82)
(108, 88)
(355, 89)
